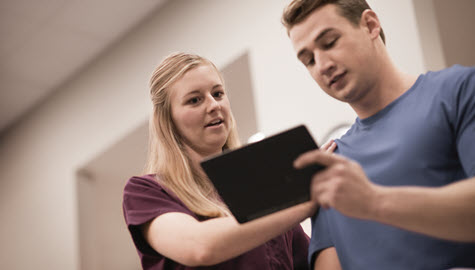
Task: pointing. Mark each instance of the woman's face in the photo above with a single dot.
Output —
(200, 110)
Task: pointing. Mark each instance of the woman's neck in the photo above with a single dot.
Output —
(197, 156)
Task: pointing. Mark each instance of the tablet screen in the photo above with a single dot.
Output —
(259, 178)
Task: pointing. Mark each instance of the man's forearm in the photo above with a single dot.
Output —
(446, 212)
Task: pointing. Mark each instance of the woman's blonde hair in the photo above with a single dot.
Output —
(167, 158)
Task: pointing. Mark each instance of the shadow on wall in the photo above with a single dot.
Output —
(102, 230)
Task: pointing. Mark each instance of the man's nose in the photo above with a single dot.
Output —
(324, 64)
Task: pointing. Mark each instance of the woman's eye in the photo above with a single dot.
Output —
(218, 94)
(193, 100)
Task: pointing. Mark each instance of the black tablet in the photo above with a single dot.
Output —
(259, 178)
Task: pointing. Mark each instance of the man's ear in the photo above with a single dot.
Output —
(370, 22)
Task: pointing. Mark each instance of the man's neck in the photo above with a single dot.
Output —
(391, 83)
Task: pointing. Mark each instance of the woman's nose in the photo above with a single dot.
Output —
(213, 104)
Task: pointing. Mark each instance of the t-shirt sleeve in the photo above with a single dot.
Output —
(300, 242)
(144, 199)
(465, 118)
(321, 238)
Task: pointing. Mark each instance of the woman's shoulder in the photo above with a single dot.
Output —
(144, 196)
(146, 180)
(144, 185)
(148, 185)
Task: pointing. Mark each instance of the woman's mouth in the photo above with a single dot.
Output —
(216, 122)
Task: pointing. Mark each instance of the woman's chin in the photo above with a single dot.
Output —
(216, 147)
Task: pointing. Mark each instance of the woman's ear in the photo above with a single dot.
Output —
(370, 22)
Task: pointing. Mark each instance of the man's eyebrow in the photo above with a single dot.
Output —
(323, 33)
(319, 36)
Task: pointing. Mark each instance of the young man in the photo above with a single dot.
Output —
(400, 191)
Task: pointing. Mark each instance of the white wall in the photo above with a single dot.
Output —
(40, 155)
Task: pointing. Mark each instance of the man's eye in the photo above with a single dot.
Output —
(308, 61)
(330, 44)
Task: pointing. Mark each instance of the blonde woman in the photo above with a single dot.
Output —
(174, 214)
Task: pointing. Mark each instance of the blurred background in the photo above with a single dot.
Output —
(74, 102)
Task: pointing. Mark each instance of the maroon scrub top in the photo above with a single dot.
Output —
(145, 199)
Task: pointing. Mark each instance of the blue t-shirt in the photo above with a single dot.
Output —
(426, 137)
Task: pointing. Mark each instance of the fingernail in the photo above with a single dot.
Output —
(296, 165)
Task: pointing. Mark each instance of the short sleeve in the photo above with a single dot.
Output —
(321, 238)
(465, 118)
(144, 199)
(300, 242)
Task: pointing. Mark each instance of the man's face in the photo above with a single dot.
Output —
(337, 53)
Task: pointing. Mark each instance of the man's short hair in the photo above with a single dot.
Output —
(298, 10)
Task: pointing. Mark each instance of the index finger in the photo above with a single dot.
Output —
(317, 156)
(329, 146)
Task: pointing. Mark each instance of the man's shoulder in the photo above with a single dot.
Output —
(454, 73)
(448, 83)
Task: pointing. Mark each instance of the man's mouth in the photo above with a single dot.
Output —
(336, 78)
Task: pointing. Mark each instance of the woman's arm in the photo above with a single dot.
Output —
(327, 259)
(182, 238)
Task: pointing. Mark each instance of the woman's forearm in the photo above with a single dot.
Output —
(184, 239)
(227, 239)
